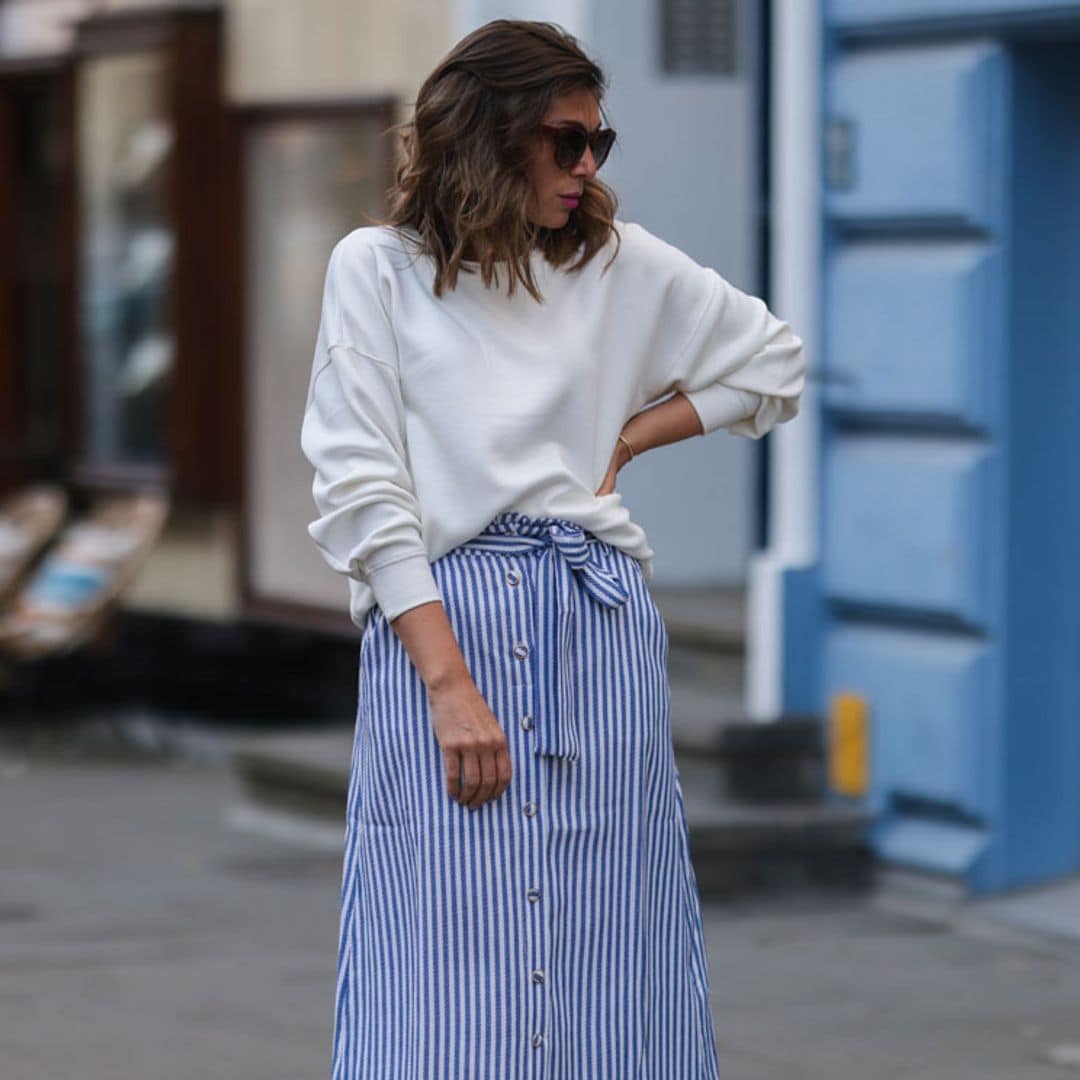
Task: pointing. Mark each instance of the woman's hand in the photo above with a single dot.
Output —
(473, 742)
(619, 458)
(474, 745)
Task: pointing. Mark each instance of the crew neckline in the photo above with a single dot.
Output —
(534, 254)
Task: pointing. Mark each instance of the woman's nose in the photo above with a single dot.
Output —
(586, 165)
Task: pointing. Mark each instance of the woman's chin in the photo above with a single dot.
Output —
(556, 219)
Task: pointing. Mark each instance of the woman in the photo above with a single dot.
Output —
(517, 896)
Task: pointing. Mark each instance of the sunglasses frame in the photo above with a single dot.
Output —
(599, 142)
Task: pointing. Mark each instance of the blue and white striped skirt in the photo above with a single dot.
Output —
(555, 931)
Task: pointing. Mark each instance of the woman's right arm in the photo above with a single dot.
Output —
(368, 528)
(429, 640)
(474, 744)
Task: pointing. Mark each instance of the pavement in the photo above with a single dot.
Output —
(145, 934)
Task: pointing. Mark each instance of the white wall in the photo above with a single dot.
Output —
(312, 49)
(572, 15)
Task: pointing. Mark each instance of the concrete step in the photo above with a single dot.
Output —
(711, 618)
(302, 772)
(706, 664)
(699, 716)
(297, 784)
(706, 695)
(741, 846)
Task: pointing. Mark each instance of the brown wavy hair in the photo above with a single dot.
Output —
(462, 182)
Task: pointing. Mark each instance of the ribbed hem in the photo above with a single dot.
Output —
(403, 584)
(718, 405)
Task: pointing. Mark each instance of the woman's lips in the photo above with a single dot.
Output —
(570, 200)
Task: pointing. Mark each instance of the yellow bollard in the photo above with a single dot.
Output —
(849, 744)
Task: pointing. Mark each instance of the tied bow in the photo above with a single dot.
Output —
(567, 554)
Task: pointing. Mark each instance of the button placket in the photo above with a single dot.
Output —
(537, 976)
(521, 647)
(521, 651)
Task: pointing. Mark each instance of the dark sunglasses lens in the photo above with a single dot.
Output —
(571, 146)
(603, 145)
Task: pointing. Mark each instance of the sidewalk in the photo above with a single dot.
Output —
(146, 939)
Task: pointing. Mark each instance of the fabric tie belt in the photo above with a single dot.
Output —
(565, 552)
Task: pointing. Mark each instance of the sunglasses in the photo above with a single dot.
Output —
(571, 139)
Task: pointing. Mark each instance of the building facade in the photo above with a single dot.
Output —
(928, 608)
(184, 271)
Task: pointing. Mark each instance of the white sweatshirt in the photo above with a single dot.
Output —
(425, 417)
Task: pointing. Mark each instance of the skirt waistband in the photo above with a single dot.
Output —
(513, 523)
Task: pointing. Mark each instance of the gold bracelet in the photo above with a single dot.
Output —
(626, 443)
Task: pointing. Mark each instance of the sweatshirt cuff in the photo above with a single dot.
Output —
(403, 584)
(718, 405)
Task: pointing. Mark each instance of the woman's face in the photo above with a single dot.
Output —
(549, 182)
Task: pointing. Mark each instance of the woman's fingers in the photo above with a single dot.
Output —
(470, 776)
(476, 751)
(452, 760)
(472, 793)
(493, 773)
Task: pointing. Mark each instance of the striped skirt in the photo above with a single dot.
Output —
(554, 932)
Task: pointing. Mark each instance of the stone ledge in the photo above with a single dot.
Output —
(709, 618)
(736, 846)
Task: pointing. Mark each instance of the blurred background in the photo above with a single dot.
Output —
(874, 654)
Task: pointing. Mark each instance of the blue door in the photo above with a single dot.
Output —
(951, 434)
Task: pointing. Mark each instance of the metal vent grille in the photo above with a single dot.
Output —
(697, 37)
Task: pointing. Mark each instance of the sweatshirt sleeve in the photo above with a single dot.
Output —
(740, 366)
(368, 525)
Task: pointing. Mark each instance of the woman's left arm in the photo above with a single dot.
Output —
(738, 364)
(742, 368)
(671, 421)
(726, 360)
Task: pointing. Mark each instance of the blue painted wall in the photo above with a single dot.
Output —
(942, 14)
(950, 456)
(1041, 758)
